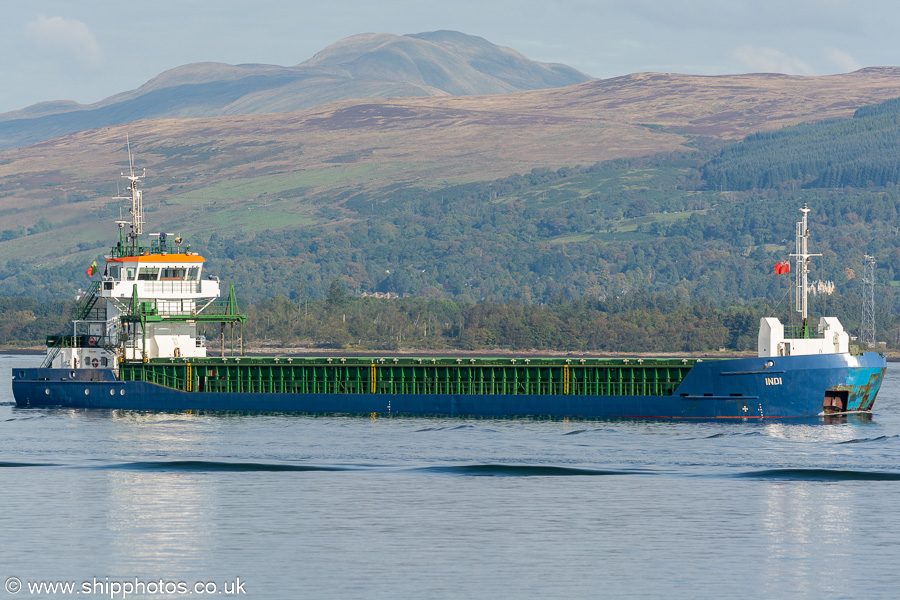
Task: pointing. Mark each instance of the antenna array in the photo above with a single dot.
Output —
(136, 197)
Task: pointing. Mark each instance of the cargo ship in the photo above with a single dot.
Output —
(134, 344)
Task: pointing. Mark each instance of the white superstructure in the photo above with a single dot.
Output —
(145, 304)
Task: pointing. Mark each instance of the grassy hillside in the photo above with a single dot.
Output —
(293, 163)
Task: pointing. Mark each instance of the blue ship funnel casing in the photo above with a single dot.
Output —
(745, 388)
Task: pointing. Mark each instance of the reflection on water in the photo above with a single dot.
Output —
(157, 519)
(827, 428)
(803, 523)
(864, 418)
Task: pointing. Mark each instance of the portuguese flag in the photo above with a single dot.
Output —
(92, 269)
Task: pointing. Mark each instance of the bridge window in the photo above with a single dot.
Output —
(129, 273)
(193, 273)
(173, 273)
(115, 272)
(148, 274)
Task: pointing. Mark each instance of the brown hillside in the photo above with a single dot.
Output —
(311, 157)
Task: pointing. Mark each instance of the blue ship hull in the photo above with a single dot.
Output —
(755, 388)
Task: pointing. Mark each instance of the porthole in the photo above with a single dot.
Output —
(122, 392)
(87, 392)
(47, 391)
(112, 392)
(72, 374)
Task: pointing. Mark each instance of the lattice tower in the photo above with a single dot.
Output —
(867, 326)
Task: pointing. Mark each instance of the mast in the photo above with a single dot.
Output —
(137, 202)
(802, 254)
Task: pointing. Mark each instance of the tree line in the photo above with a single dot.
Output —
(641, 321)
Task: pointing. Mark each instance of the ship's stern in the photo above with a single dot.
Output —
(60, 387)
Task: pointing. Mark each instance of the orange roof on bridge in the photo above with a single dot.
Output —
(158, 258)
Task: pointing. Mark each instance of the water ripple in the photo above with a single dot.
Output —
(576, 432)
(520, 471)
(862, 440)
(820, 475)
(217, 466)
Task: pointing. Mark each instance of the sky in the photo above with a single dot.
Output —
(87, 50)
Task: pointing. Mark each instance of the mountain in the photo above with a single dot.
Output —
(449, 61)
(374, 65)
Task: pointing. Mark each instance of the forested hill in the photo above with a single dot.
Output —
(862, 151)
(571, 234)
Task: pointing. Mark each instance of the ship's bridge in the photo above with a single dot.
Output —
(158, 276)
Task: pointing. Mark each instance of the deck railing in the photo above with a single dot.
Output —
(797, 332)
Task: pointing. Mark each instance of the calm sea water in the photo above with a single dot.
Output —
(348, 507)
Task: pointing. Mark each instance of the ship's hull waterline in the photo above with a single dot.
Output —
(793, 387)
